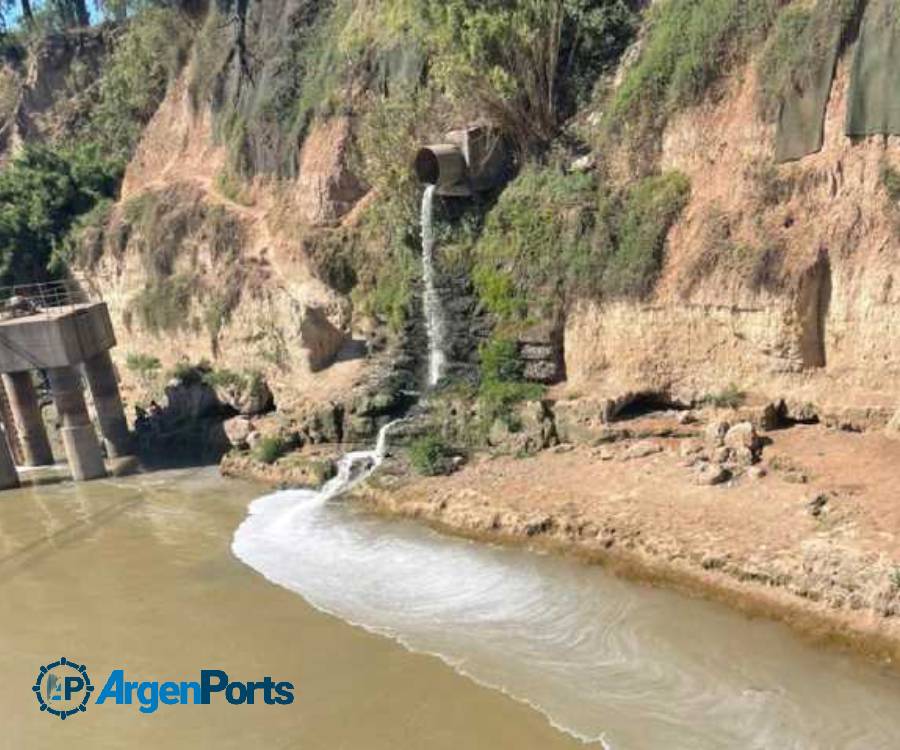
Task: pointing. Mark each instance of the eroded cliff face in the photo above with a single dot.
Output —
(779, 279)
(194, 270)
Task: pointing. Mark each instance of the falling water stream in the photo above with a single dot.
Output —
(435, 326)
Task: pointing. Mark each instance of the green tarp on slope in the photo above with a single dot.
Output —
(874, 100)
(801, 119)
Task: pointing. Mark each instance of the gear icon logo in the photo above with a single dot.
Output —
(63, 688)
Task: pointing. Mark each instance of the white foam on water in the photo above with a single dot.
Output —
(605, 660)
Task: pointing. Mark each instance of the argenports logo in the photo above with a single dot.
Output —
(63, 688)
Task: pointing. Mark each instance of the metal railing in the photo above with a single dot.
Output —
(30, 299)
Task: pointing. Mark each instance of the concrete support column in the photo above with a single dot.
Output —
(76, 430)
(101, 377)
(8, 476)
(27, 416)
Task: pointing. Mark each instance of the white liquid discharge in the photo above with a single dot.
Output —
(608, 661)
(434, 316)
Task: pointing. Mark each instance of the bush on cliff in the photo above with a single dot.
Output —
(42, 193)
(430, 456)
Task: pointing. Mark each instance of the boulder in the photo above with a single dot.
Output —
(326, 187)
(708, 475)
(716, 432)
(643, 449)
(238, 430)
(744, 443)
(893, 427)
(248, 395)
(583, 421)
(320, 338)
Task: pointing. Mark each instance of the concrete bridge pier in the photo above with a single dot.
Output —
(101, 377)
(26, 413)
(9, 479)
(76, 430)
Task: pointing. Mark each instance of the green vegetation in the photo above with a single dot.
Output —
(651, 207)
(803, 37)
(270, 448)
(730, 397)
(145, 366)
(135, 78)
(536, 242)
(164, 305)
(690, 45)
(430, 456)
(502, 384)
(550, 238)
(42, 192)
(890, 179)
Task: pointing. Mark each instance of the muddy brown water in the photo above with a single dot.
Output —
(139, 574)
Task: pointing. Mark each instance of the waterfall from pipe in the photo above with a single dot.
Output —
(434, 317)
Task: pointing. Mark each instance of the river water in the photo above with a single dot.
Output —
(139, 573)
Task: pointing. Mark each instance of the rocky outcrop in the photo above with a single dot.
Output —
(326, 189)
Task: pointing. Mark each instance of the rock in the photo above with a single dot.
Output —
(565, 448)
(248, 395)
(817, 505)
(584, 163)
(582, 421)
(238, 429)
(743, 456)
(722, 455)
(690, 447)
(359, 429)
(742, 435)
(685, 417)
(643, 449)
(772, 416)
(715, 433)
(320, 338)
(253, 439)
(709, 475)
(893, 427)
(326, 188)
(605, 454)
(795, 476)
(756, 472)
(189, 400)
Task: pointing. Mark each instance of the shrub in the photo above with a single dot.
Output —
(890, 179)
(501, 380)
(136, 76)
(42, 193)
(269, 449)
(190, 373)
(145, 366)
(430, 456)
(164, 305)
(537, 242)
(690, 44)
(651, 207)
(730, 397)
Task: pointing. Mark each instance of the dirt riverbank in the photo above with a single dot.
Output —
(807, 535)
